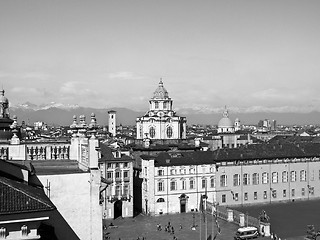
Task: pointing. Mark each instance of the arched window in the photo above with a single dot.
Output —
(169, 132)
(160, 200)
(152, 132)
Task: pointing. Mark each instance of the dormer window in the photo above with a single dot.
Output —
(2, 233)
(24, 231)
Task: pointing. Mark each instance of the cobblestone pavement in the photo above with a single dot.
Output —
(145, 226)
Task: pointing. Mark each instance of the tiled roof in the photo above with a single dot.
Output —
(17, 197)
(106, 155)
(184, 158)
(268, 151)
(246, 152)
(53, 167)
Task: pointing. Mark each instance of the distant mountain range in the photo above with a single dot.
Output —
(60, 114)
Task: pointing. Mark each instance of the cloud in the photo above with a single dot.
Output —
(26, 91)
(76, 89)
(26, 75)
(125, 76)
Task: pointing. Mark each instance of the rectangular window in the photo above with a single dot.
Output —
(236, 180)
(311, 190)
(293, 176)
(255, 195)
(265, 196)
(212, 183)
(173, 185)
(156, 105)
(204, 183)
(160, 172)
(246, 180)
(303, 176)
(109, 175)
(223, 180)
(160, 186)
(118, 190)
(125, 165)
(236, 196)
(255, 179)
(284, 193)
(274, 177)
(125, 174)
(109, 165)
(118, 174)
(245, 196)
(223, 198)
(191, 184)
(265, 178)
(274, 193)
(125, 189)
(284, 176)
(292, 192)
(183, 184)
(302, 192)
(164, 105)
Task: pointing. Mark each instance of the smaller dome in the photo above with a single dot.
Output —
(160, 92)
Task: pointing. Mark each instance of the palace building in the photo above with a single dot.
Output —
(161, 121)
(173, 182)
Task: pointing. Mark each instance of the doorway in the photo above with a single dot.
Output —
(117, 209)
(183, 202)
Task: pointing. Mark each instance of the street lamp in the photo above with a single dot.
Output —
(193, 227)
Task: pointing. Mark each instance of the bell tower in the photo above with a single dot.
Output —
(112, 122)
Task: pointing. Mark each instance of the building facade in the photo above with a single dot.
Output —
(117, 171)
(174, 182)
(251, 174)
(161, 121)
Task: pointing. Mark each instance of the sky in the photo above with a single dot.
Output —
(247, 54)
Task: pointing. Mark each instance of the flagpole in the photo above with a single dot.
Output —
(205, 220)
(205, 212)
(200, 212)
(212, 220)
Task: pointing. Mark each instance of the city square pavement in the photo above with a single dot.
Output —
(146, 227)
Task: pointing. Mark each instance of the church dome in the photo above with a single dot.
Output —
(225, 121)
(160, 92)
